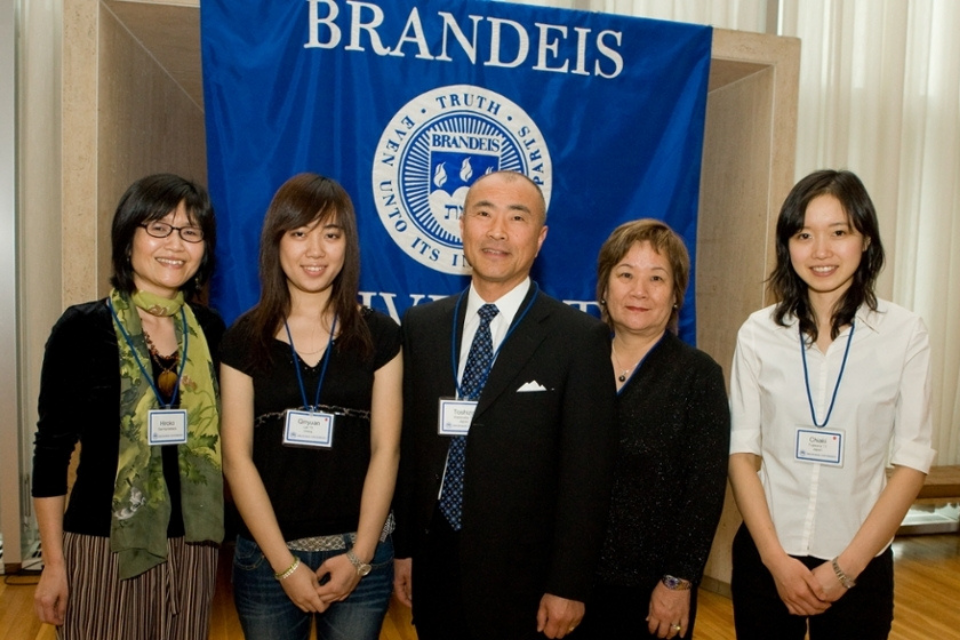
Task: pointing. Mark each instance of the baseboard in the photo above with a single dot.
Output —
(715, 586)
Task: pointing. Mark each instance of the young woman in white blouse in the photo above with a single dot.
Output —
(826, 384)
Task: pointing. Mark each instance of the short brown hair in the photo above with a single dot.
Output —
(663, 240)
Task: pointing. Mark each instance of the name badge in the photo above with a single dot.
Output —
(167, 426)
(308, 429)
(818, 445)
(456, 416)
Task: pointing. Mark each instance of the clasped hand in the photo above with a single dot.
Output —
(338, 577)
(314, 592)
(800, 589)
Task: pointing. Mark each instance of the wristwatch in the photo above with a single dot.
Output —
(675, 584)
(362, 567)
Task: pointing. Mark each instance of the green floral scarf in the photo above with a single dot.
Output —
(141, 502)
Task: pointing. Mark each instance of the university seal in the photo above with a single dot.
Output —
(430, 153)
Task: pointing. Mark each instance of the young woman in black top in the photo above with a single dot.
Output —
(311, 428)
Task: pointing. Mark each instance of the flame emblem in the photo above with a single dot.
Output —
(466, 171)
(439, 176)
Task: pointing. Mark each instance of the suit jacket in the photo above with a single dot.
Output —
(538, 463)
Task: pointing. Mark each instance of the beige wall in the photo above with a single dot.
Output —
(9, 340)
(124, 116)
(145, 122)
(39, 234)
(748, 162)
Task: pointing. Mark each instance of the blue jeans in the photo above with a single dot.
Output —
(266, 613)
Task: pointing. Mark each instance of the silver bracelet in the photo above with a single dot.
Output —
(841, 576)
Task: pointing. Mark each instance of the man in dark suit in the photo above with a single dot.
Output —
(498, 539)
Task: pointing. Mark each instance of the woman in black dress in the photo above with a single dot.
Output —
(670, 474)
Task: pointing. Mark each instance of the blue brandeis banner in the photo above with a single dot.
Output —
(407, 103)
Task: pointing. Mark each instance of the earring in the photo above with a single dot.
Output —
(603, 301)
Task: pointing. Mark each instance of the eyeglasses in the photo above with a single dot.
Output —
(158, 229)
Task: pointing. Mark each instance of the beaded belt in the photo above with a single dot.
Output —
(336, 542)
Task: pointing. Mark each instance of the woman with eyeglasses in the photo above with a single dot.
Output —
(132, 378)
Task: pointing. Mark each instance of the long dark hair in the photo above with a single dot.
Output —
(152, 198)
(300, 201)
(789, 288)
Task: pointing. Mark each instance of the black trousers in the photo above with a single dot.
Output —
(437, 585)
(865, 612)
(439, 611)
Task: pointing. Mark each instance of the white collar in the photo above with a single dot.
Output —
(508, 304)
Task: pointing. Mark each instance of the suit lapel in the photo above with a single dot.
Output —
(516, 350)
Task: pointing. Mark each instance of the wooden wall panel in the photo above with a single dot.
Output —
(748, 163)
(147, 123)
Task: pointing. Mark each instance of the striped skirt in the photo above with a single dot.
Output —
(169, 602)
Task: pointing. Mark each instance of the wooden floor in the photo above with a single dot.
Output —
(927, 601)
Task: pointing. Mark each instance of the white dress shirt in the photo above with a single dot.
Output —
(882, 408)
(508, 305)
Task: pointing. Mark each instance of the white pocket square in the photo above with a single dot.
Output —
(533, 385)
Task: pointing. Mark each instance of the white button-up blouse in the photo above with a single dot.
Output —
(882, 410)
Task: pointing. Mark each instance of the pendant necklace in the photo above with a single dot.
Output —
(322, 346)
(167, 379)
(311, 353)
(623, 374)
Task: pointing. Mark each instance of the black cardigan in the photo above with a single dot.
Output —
(80, 401)
(671, 469)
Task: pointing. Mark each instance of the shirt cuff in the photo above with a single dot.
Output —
(913, 454)
(744, 442)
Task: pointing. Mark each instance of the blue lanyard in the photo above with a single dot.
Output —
(453, 335)
(148, 376)
(836, 387)
(323, 372)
